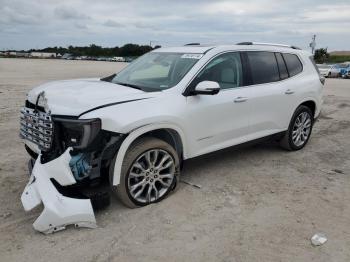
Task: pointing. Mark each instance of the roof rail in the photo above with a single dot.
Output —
(192, 44)
(245, 43)
(268, 44)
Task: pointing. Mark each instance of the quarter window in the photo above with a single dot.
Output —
(225, 69)
(281, 66)
(293, 64)
(263, 67)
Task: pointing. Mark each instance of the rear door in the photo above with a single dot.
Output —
(272, 94)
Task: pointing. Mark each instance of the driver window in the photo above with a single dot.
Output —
(225, 69)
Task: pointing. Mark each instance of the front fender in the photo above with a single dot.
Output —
(133, 136)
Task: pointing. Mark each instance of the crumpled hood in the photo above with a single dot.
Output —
(73, 97)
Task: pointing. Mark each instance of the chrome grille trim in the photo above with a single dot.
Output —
(36, 127)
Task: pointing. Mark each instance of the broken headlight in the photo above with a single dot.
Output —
(78, 133)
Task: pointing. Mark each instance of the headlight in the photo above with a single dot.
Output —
(78, 133)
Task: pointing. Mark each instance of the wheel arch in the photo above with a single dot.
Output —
(171, 136)
(167, 132)
(310, 104)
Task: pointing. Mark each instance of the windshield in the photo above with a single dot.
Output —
(156, 71)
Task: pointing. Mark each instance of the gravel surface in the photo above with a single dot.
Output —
(256, 203)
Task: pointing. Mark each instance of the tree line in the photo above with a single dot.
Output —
(127, 50)
(321, 56)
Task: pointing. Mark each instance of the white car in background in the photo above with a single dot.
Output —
(133, 130)
(329, 70)
(324, 69)
(118, 59)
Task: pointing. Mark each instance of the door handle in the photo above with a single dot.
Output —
(240, 99)
(289, 92)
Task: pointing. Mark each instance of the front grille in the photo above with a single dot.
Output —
(36, 127)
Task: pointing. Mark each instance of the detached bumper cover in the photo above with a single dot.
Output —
(59, 211)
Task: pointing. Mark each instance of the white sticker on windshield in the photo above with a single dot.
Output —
(192, 56)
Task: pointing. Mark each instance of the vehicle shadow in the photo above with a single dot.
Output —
(206, 167)
(239, 155)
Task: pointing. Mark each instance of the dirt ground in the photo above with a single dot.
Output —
(257, 203)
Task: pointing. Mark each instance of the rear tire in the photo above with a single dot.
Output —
(299, 130)
(145, 178)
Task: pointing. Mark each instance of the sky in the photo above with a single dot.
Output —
(26, 24)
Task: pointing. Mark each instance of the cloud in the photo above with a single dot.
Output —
(143, 25)
(329, 14)
(112, 23)
(11, 16)
(27, 24)
(65, 12)
(80, 25)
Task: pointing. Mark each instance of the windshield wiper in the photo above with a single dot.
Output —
(129, 85)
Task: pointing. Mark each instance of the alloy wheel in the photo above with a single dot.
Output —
(301, 129)
(151, 176)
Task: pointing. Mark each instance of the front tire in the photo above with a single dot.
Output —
(299, 130)
(150, 171)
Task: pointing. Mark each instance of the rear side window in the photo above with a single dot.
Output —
(263, 67)
(281, 66)
(293, 64)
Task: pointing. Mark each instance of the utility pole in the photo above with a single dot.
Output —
(313, 44)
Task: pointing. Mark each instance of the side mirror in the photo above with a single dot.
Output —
(207, 88)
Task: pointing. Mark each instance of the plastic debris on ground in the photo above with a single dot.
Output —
(191, 184)
(318, 239)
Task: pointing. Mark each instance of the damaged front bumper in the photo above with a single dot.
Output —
(59, 211)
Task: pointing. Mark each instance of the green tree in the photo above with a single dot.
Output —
(321, 55)
(128, 50)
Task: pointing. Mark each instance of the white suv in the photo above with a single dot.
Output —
(133, 130)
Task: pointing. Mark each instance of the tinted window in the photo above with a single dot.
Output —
(225, 69)
(263, 67)
(281, 66)
(293, 64)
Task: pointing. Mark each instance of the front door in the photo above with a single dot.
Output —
(221, 120)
